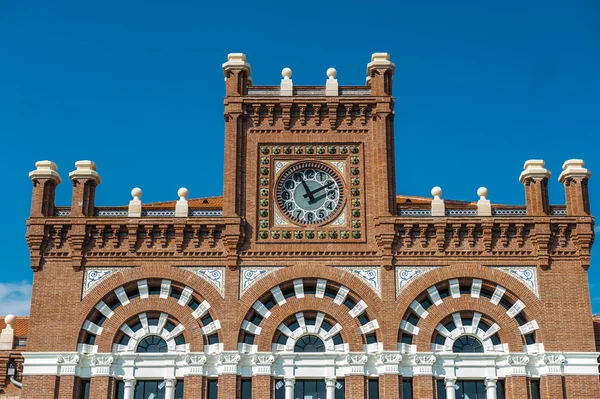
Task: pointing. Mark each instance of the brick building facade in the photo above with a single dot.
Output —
(310, 277)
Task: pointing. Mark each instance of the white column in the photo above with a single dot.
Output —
(128, 388)
(330, 386)
(490, 388)
(289, 388)
(170, 388)
(450, 390)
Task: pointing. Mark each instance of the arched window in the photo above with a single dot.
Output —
(152, 344)
(467, 344)
(309, 343)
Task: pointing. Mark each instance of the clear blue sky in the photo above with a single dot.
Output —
(480, 87)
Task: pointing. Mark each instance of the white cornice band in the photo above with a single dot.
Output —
(310, 365)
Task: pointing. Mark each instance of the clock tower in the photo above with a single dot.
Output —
(310, 164)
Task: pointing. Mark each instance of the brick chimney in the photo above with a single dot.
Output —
(379, 74)
(45, 178)
(575, 179)
(84, 179)
(237, 74)
(535, 180)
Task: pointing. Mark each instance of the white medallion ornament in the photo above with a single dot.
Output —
(213, 275)
(407, 274)
(251, 274)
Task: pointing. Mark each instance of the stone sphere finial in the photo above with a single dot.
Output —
(482, 192)
(182, 193)
(436, 192)
(136, 193)
(10, 320)
(286, 73)
(331, 73)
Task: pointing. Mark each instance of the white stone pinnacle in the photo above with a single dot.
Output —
(484, 207)
(437, 204)
(287, 86)
(181, 207)
(135, 205)
(10, 321)
(331, 85)
(136, 193)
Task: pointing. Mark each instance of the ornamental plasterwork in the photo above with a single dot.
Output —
(213, 275)
(230, 358)
(196, 359)
(341, 165)
(525, 274)
(369, 275)
(68, 359)
(279, 221)
(357, 359)
(92, 276)
(263, 359)
(280, 165)
(102, 360)
(554, 359)
(425, 359)
(393, 358)
(407, 274)
(518, 360)
(341, 220)
(251, 274)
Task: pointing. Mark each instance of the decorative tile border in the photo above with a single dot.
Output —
(369, 275)
(251, 274)
(212, 275)
(407, 274)
(92, 276)
(525, 274)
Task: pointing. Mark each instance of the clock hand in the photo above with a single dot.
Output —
(311, 193)
(308, 193)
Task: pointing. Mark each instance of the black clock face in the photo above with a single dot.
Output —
(310, 193)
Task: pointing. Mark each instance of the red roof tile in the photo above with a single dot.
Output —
(21, 325)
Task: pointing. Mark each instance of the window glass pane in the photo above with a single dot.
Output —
(340, 389)
(179, 389)
(371, 338)
(213, 339)
(373, 389)
(298, 390)
(407, 392)
(500, 389)
(85, 389)
(120, 387)
(213, 389)
(279, 389)
(535, 389)
(246, 389)
(309, 343)
(441, 390)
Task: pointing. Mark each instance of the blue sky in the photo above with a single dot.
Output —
(480, 87)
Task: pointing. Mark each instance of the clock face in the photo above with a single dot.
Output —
(310, 193)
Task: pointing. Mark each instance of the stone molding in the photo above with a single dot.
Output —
(317, 364)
